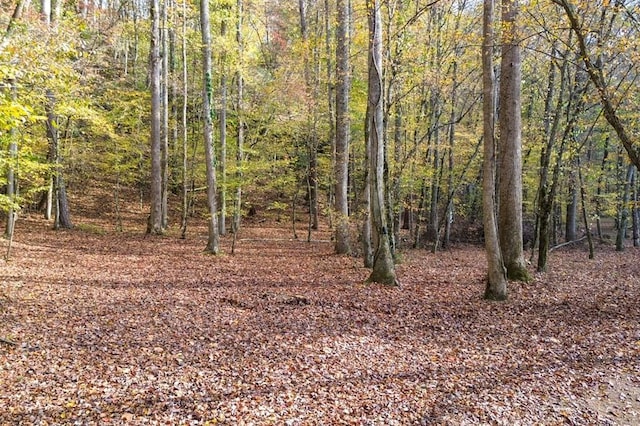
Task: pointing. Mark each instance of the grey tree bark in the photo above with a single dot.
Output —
(185, 130)
(222, 220)
(154, 225)
(213, 240)
(237, 208)
(164, 90)
(62, 217)
(311, 83)
(510, 152)
(496, 288)
(343, 129)
(383, 267)
(623, 210)
(12, 185)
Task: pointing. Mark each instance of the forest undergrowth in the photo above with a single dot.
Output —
(115, 328)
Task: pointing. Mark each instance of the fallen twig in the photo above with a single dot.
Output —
(567, 243)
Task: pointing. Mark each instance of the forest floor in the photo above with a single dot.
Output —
(101, 327)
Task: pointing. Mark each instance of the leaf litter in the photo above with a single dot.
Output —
(123, 329)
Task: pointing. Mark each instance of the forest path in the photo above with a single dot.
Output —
(126, 329)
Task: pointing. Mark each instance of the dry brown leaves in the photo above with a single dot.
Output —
(120, 329)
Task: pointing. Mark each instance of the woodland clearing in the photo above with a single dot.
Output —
(116, 328)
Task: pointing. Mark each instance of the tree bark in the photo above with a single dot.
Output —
(185, 130)
(164, 90)
(12, 187)
(62, 218)
(496, 288)
(207, 93)
(237, 208)
(343, 129)
(510, 153)
(383, 266)
(623, 211)
(222, 222)
(154, 225)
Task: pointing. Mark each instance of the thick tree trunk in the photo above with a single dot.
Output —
(383, 267)
(343, 129)
(154, 225)
(207, 94)
(510, 158)
(496, 288)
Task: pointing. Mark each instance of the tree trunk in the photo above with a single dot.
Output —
(496, 288)
(510, 158)
(62, 218)
(154, 225)
(222, 222)
(164, 90)
(207, 94)
(185, 130)
(571, 223)
(635, 217)
(237, 208)
(623, 211)
(45, 9)
(343, 129)
(312, 131)
(12, 186)
(331, 104)
(383, 267)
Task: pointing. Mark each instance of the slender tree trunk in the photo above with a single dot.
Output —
(343, 129)
(207, 94)
(635, 217)
(222, 222)
(164, 90)
(583, 198)
(12, 186)
(623, 214)
(383, 267)
(237, 209)
(185, 130)
(367, 243)
(331, 105)
(154, 225)
(452, 138)
(496, 288)
(312, 136)
(571, 225)
(601, 181)
(62, 217)
(510, 158)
